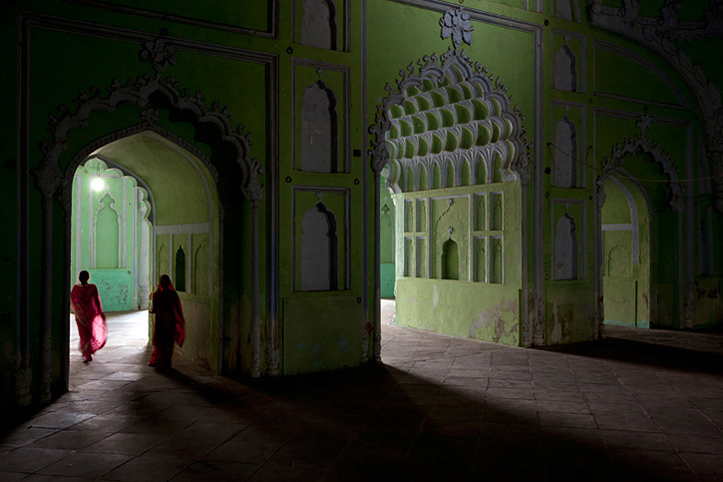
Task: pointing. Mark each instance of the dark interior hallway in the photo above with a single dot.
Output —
(642, 405)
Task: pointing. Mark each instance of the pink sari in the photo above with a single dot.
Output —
(90, 318)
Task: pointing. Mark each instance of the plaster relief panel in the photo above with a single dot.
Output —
(321, 238)
(421, 258)
(201, 265)
(480, 211)
(321, 126)
(162, 255)
(421, 215)
(409, 216)
(409, 257)
(496, 211)
(497, 260)
(107, 233)
(480, 259)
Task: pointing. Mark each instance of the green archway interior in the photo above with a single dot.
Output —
(185, 224)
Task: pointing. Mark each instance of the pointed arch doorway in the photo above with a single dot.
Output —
(145, 206)
(639, 230)
(175, 115)
(625, 224)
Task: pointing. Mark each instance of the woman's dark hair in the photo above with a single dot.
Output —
(83, 277)
(164, 280)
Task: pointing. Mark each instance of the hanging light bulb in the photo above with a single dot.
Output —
(97, 184)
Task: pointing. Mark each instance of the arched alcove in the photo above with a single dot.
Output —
(566, 248)
(565, 75)
(450, 260)
(566, 149)
(319, 129)
(318, 24)
(319, 250)
(180, 270)
(564, 10)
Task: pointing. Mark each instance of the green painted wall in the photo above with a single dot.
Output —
(104, 237)
(480, 298)
(259, 70)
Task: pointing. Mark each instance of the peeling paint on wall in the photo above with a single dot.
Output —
(500, 320)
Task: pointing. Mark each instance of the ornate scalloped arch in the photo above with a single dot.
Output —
(637, 145)
(449, 112)
(149, 93)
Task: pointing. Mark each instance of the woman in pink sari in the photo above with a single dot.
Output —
(169, 326)
(85, 302)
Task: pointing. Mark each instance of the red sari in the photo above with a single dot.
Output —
(169, 326)
(90, 318)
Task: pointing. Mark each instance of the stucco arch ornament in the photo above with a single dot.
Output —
(449, 112)
(140, 93)
(144, 92)
(635, 145)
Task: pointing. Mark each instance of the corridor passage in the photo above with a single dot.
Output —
(642, 405)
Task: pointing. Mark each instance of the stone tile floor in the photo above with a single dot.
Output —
(643, 405)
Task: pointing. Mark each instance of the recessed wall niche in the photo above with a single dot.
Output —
(567, 10)
(568, 62)
(321, 126)
(567, 149)
(568, 240)
(322, 23)
(321, 234)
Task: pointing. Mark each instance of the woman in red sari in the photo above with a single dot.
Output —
(85, 302)
(169, 325)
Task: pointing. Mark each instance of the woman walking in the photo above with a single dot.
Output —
(169, 325)
(85, 303)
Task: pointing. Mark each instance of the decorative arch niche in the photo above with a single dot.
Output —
(565, 69)
(460, 115)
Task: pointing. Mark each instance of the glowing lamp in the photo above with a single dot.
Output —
(97, 184)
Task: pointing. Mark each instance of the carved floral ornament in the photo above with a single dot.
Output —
(139, 92)
(457, 24)
(450, 111)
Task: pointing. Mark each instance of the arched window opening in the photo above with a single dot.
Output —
(180, 271)
(450, 260)
(566, 153)
(565, 248)
(565, 70)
